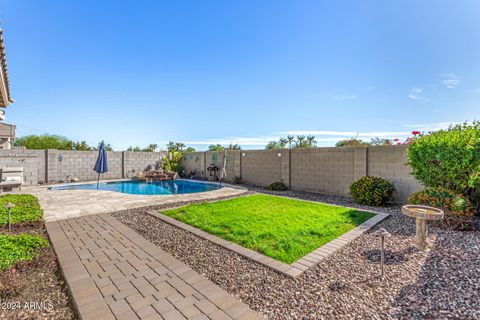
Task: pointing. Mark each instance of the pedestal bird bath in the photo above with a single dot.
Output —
(422, 214)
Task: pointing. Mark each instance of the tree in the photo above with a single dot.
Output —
(45, 141)
(134, 149)
(300, 143)
(380, 142)
(52, 141)
(175, 146)
(151, 147)
(282, 142)
(190, 149)
(352, 142)
(311, 143)
(81, 146)
(235, 146)
(215, 147)
(272, 145)
(290, 140)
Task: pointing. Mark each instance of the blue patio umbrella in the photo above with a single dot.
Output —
(101, 166)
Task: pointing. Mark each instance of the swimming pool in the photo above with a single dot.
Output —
(179, 186)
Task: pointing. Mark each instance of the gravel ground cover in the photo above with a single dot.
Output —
(35, 289)
(441, 283)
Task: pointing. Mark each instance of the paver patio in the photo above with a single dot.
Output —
(64, 204)
(114, 273)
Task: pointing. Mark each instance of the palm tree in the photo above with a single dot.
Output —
(215, 147)
(180, 146)
(290, 140)
(171, 146)
(235, 146)
(311, 141)
(300, 141)
(152, 147)
(282, 142)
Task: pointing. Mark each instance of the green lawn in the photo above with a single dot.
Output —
(284, 229)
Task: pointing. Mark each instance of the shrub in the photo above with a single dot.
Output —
(19, 248)
(457, 208)
(448, 159)
(372, 191)
(443, 199)
(172, 161)
(27, 208)
(277, 186)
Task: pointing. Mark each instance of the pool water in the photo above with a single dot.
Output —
(146, 188)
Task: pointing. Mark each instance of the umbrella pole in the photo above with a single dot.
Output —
(98, 180)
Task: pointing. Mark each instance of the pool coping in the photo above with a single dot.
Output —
(296, 268)
(66, 204)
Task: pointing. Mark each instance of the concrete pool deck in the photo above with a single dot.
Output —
(65, 204)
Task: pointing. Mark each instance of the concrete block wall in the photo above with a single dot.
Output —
(80, 164)
(137, 161)
(324, 170)
(198, 162)
(21, 158)
(194, 164)
(59, 165)
(261, 167)
(389, 162)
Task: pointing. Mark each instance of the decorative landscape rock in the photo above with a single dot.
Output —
(422, 214)
(151, 174)
(437, 284)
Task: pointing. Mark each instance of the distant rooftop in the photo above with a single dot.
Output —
(5, 98)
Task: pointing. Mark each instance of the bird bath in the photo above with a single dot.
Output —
(422, 214)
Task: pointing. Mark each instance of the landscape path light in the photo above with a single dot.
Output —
(382, 233)
(9, 207)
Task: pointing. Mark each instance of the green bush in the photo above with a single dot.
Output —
(448, 159)
(277, 186)
(19, 248)
(458, 210)
(372, 191)
(27, 208)
(443, 199)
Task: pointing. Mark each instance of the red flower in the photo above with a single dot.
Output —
(396, 139)
(415, 132)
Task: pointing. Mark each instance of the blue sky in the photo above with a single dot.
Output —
(134, 73)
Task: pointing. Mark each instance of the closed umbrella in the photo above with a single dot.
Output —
(101, 166)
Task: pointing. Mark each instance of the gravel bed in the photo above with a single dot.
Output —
(441, 283)
(36, 290)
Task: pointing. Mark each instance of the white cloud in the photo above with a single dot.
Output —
(348, 134)
(346, 97)
(450, 80)
(323, 137)
(416, 94)
(432, 126)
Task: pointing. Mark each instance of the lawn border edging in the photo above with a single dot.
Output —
(291, 270)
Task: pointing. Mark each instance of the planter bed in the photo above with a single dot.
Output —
(32, 286)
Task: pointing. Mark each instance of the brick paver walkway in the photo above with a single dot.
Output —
(114, 273)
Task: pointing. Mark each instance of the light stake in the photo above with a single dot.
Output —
(382, 233)
(9, 207)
